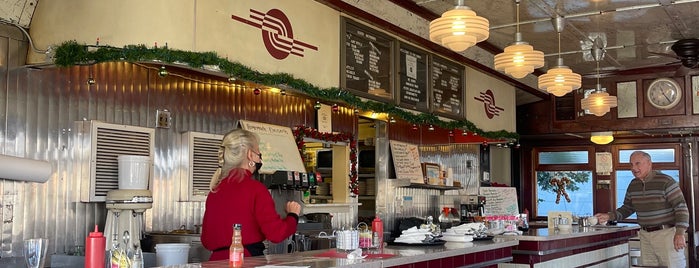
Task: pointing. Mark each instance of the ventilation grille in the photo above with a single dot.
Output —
(103, 145)
(202, 156)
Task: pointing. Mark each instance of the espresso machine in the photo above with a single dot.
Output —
(472, 206)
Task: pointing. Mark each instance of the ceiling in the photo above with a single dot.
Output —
(632, 33)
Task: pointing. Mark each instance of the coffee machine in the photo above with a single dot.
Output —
(472, 206)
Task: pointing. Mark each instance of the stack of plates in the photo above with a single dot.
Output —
(323, 188)
(370, 187)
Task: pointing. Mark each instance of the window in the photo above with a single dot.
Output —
(664, 160)
(579, 190)
(574, 168)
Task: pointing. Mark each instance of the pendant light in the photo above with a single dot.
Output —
(459, 28)
(598, 102)
(520, 58)
(560, 79)
(602, 138)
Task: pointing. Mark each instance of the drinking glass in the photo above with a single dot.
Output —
(35, 252)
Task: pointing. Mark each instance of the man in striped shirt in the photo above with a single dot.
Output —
(661, 210)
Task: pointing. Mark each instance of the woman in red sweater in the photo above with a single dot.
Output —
(239, 198)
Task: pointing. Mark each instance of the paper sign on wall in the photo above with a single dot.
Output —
(278, 147)
(406, 162)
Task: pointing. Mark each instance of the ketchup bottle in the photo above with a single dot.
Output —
(377, 227)
(95, 244)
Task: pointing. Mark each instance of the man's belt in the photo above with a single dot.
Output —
(656, 227)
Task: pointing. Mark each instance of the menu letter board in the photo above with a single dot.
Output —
(277, 146)
(413, 78)
(367, 60)
(406, 161)
(500, 200)
(447, 87)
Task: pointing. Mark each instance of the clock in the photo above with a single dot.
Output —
(664, 93)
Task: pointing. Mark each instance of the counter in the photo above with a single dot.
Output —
(474, 254)
(601, 246)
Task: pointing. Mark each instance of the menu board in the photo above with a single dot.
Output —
(447, 87)
(412, 75)
(367, 61)
(277, 146)
(406, 161)
(500, 200)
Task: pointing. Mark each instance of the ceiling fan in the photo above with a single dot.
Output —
(686, 52)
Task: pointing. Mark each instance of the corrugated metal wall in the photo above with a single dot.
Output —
(41, 106)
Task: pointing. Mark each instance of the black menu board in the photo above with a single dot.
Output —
(367, 60)
(412, 75)
(447, 94)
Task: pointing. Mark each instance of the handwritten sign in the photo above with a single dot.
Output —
(278, 147)
(406, 161)
(500, 200)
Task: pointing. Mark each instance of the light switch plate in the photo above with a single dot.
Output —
(163, 119)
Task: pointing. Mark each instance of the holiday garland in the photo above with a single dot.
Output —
(300, 132)
(71, 53)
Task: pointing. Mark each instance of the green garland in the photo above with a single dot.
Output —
(71, 53)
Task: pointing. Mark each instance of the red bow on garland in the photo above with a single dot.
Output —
(301, 132)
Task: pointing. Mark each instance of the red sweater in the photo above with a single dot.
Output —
(247, 202)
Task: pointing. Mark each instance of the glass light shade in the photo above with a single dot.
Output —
(459, 29)
(602, 137)
(598, 103)
(519, 60)
(559, 81)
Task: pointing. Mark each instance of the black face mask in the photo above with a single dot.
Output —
(258, 166)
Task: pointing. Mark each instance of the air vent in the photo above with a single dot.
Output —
(201, 156)
(99, 146)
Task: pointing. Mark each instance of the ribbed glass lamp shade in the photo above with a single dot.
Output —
(602, 137)
(559, 81)
(598, 103)
(519, 60)
(459, 29)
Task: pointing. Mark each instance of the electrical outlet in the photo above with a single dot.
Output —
(163, 119)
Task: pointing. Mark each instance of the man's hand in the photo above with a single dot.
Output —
(293, 207)
(602, 218)
(679, 243)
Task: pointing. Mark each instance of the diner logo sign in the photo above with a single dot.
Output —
(277, 33)
(488, 100)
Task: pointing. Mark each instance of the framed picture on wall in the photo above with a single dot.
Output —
(431, 172)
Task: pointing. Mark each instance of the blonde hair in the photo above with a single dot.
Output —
(233, 153)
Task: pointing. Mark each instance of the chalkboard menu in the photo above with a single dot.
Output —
(447, 87)
(413, 78)
(367, 60)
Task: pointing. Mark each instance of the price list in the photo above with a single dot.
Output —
(367, 61)
(413, 78)
(447, 87)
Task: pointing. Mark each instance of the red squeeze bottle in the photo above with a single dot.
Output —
(95, 244)
(377, 227)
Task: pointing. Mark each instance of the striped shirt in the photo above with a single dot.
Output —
(656, 200)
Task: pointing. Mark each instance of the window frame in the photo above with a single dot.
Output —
(590, 166)
(619, 165)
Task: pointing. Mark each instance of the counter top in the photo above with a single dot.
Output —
(548, 234)
(389, 256)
